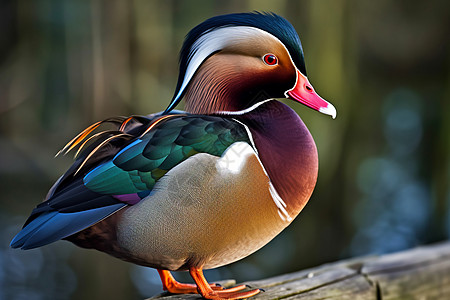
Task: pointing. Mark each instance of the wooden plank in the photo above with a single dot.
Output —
(408, 259)
(337, 283)
(420, 273)
(303, 285)
(354, 288)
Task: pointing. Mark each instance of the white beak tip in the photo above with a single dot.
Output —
(329, 110)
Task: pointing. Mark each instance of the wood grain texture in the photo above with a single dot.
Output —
(419, 273)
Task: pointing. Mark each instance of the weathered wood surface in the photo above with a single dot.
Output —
(420, 273)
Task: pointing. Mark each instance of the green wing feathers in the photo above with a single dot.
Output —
(137, 167)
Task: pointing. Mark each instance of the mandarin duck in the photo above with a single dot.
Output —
(200, 188)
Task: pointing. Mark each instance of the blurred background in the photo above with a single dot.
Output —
(384, 162)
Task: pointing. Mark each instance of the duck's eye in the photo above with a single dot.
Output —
(270, 59)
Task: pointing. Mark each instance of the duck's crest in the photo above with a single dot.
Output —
(268, 22)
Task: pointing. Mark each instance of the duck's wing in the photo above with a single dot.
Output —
(121, 168)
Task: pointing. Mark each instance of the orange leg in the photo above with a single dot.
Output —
(208, 293)
(172, 286)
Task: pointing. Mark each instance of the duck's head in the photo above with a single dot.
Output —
(232, 62)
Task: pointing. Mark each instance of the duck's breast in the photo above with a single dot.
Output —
(206, 212)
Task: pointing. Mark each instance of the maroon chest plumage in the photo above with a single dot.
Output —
(286, 150)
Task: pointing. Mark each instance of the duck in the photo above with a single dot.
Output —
(200, 188)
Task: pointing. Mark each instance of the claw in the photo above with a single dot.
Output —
(208, 293)
(174, 287)
(231, 295)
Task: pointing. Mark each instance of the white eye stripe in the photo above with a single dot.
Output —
(213, 41)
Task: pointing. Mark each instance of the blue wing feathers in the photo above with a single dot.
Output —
(68, 211)
(20, 239)
(53, 226)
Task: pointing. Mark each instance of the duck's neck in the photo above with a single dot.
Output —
(287, 151)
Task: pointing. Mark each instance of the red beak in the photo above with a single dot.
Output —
(304, 93)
